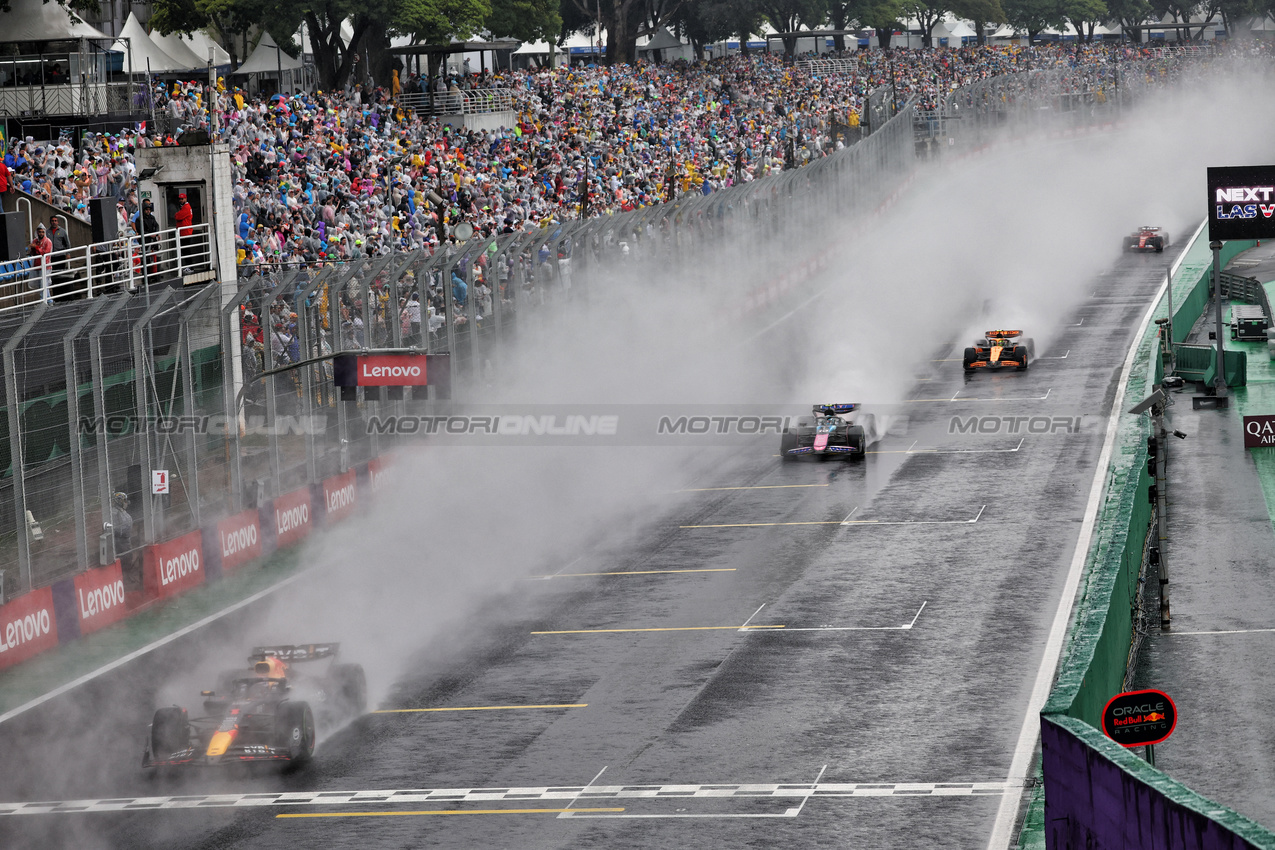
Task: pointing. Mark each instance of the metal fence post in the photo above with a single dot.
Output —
(99, 402)
(230, 394)
(152, 513)
(194, 305)
(73, 425)
(15, 443)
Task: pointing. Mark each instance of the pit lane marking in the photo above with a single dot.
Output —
(756, 487)
(662, 629)
(903, 628)
(762, 524)
(522, 795)
(477, 708)
(637, 573)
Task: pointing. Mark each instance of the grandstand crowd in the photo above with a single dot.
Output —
(330, 176)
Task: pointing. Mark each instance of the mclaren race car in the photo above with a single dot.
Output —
(1000, 350)
(835, 429)
(266, 713)
(1147, 238)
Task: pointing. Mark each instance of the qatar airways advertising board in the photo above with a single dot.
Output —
(1242, 202)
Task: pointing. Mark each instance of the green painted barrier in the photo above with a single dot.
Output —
(1095, 656)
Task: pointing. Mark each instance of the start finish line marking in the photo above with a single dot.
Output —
(795, 791)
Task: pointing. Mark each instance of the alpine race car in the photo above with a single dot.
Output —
(1000, 350)
(835, 429)
(263, 713)
(1147, 238)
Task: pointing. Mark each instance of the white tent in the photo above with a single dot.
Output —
(268, 59)
(199, 42)
(34, 20)
(179, 50)
(960, 29)
(533, 48)
(141, 54)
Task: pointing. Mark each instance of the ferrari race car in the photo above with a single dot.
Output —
(1147, 238)
(263, 713)
(835, 429)
(1000, 350)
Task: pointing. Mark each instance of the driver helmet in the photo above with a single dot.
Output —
(271, 667)
(120, 500)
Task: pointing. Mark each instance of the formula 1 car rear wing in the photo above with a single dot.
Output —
(302, 652)
(1002, 334)
(834, 409)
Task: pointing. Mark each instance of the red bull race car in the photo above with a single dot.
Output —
(835, 430)
(1147, 238)
(1000, 350)
(266, 713)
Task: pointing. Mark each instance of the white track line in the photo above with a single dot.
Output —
(1222, 632)
(915, 521)
(389, 797)
(967, 451)
(903, 628)
(1064, 357)
(138, 653)
(1002, 831)
(750, 619)
(587, 786)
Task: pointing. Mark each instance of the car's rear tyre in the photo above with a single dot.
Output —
(1159, 245)
(170, 732)
(294, 731)
(1021, 354)
(351, 687)
(968, 361)
(859, 442)
(787, 441)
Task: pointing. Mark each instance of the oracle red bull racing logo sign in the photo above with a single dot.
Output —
(27, 627)
(1242, 202)
(1139, 718)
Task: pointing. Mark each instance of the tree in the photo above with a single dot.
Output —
(1085, 15)
(1035, 16)
(525, 20)
(982, 13)
(880, 15)
(840, 16)
(624, 21)
(792, 15)
(1131, 14)
(708, 21)
(928, 13)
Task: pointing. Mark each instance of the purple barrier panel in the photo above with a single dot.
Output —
(1095, 804)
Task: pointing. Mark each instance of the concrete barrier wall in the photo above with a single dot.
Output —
(1098, 794)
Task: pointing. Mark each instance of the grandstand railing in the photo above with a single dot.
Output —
(88, 99)
(129, 263)
(829, 66)
(475, 102)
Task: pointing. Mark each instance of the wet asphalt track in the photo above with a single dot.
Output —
(852, 699)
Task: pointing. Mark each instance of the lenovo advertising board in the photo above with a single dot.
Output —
(292, 517)
(99, 597)
(380, 370)
(174, 567)
(1242, 202)
(377, 468)
(28, 626)
(338, 497)
(239, 539)
(1139, 718)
